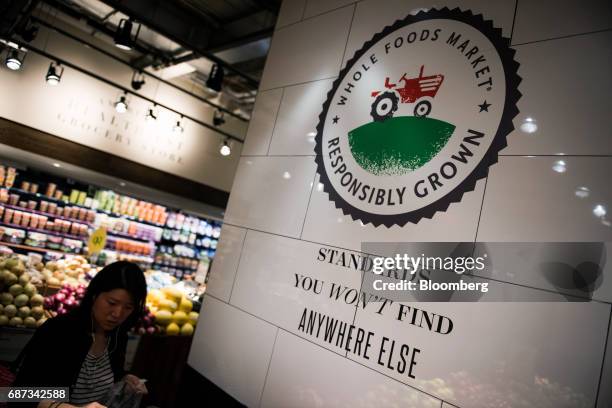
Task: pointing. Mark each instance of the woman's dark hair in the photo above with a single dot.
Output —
(118, 275)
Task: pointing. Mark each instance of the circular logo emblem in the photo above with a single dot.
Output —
(416, 117)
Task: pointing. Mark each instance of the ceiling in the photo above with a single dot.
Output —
(179, 40)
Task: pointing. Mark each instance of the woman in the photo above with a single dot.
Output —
(85, 349)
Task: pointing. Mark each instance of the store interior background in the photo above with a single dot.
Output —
(277, 217)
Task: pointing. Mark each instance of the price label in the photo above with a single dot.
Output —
(97, 241)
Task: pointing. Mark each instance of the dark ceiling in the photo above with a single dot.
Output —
(191, 33)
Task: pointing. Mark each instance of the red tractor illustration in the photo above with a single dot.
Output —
(386, 102)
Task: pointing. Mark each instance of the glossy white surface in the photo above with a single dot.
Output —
(605, 391)
(563, 269)
(296, 379)
(298, 117)
(527, 200)
(262, 123)
(291, 11)
(543, 19)
(325, 223)
(520, 354)
(223, 271)
(271, 194)
(232, 349)
(316, 7)
(501, 352)
(371, 17)
(308, 51)
(572, 116)
(268, 289)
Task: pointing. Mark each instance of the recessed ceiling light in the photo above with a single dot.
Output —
(582, 192)
(529, 126)
(559, 166)
(599, 211)
(225, 149)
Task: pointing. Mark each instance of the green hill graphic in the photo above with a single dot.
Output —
(398, 145)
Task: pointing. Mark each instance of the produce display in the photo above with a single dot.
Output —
(47, 220)
(73, 271)
(20, 303)
(63, 217)
(66, 299)
(172, 311)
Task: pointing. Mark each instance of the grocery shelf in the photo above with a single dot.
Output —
(44, 231)
(35, 249)
(128, 236)
(46, 214)
(98, 210)
(185, 268)
(170, 242)
(180, 230)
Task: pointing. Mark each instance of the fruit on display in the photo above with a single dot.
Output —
(172, 311)
(146, 324)
(21, 303)
(187, 329)
(193, 318)
(66, 299)
(73, 270)
(172, 329)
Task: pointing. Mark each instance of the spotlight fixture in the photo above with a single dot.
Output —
(138, 80)
(54, 74)
(151, 115)
(218, 118)
(13, 62)
(121, 105)
(123, 35)
(225, 148)
(178, 128)
(215, 79)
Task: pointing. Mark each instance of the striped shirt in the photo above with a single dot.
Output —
(94, 380)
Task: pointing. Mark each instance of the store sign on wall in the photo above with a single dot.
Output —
(416, 117)
(128, 131)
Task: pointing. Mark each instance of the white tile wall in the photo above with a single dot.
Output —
(308, 51)
(371, 18)
(232, 349)
(543, 19)
(604, 399)
(572, 116)
(298, 117)
(223, 270)
(341, 383)
(537, 265)
(316, 7)
(545, 355)
(500, 352)
(325, 223)
(271, 194)
(527, 200)
(291, 11)
(268, 290)
(262, 123)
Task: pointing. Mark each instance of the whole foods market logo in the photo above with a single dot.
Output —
(416, 117)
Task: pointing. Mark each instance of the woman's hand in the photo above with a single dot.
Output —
(135, 384)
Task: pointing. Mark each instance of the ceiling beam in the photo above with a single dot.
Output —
(178, 25)
(104, 29)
